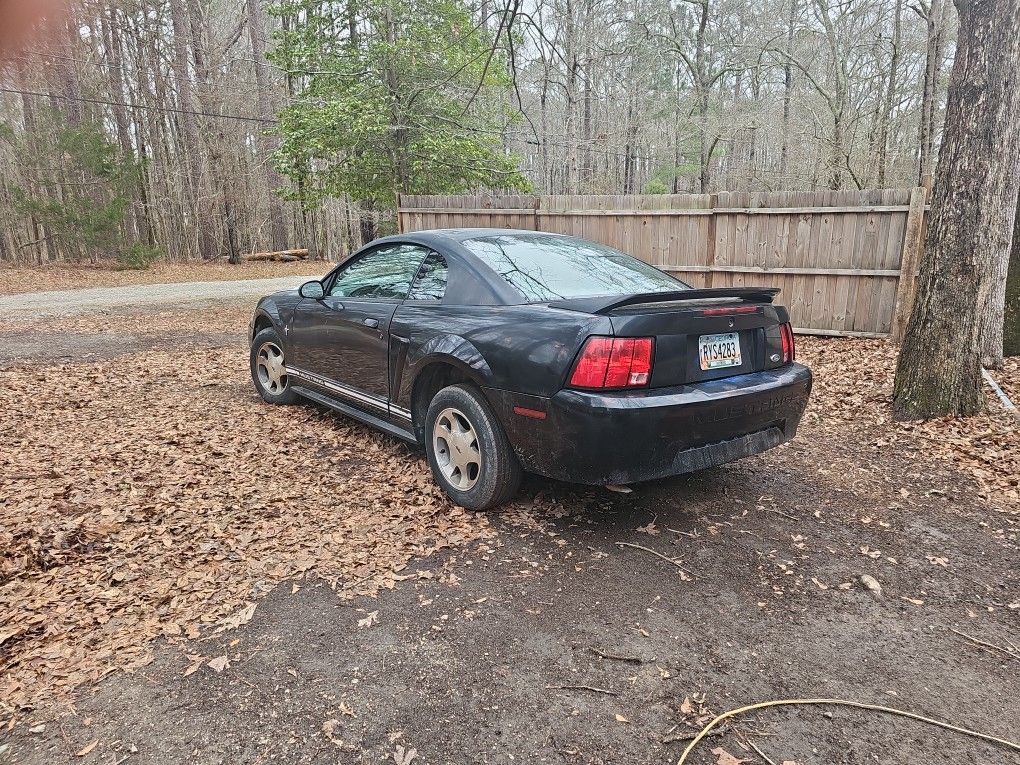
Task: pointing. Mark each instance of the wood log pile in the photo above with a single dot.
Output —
(283, 256)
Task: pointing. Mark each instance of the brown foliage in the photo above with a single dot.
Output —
(156, 495)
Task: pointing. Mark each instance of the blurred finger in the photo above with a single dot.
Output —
(22, 21)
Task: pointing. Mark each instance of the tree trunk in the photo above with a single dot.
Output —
(115, 72)
(701, 94)
(1011, 317)
(189, 122)
(234, 254)
(890, 97)
(263, 84)
(784, 155)
(933, 54)
(70, 86)
(976, 186)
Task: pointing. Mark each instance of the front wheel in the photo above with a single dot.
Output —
(467, 450)
(269, 369)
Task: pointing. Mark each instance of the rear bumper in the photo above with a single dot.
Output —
(604, 438)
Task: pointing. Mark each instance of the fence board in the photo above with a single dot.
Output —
(836, 255)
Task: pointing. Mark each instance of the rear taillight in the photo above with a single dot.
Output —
(613, 362)
(789, 350)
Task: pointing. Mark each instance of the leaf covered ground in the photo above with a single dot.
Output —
(151, 495)
(154, 495)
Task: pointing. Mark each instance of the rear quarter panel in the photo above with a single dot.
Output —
(524, 348)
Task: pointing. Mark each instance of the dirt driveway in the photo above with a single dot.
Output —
(36, 305)
(150, 489)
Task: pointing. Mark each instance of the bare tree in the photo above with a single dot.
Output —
(182, 37)
(257, 34)
(934, 15)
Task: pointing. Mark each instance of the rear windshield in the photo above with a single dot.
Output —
(549, 267)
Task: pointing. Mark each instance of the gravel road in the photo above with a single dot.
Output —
(71, 302)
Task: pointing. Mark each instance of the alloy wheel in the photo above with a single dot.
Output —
(456, 448)
(271, 370)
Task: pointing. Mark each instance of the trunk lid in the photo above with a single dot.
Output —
(700, 334)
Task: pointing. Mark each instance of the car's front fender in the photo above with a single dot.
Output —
(276, 309)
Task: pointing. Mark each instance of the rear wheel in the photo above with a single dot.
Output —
(269, 369)
(467, 450)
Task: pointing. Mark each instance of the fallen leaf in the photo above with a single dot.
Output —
(621, 718)
(368, 621)
(84, 751)
(329, 726)
(725, 758)
(6, 635)
(403, 756)
(649, 528)
(219, 664)
(196, 663)
(238, 618)
(872, 584)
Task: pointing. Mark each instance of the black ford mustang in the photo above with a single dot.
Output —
(501, 351)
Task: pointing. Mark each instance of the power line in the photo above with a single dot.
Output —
(124, 70)
(169, 109)
(172, 109)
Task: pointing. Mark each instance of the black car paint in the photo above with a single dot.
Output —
(520, 355)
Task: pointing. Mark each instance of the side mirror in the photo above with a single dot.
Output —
(312, 290)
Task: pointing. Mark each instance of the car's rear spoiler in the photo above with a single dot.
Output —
(607, 303)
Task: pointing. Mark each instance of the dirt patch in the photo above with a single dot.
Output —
(115, 332)
(146, 499)
(14, 281)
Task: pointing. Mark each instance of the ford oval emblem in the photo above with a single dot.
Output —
(731, 323)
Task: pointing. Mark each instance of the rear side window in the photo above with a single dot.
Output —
(383, 273)
(430, 282)
(548, 267)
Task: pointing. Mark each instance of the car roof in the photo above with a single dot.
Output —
(461, 234)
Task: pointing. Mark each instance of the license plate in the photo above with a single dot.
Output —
(718, 351)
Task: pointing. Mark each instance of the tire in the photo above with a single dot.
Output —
(271, 380)
(467, 450)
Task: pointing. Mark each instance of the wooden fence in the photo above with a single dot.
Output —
(846, 261)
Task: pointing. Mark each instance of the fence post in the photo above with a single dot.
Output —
(910, 260)
(710, 262)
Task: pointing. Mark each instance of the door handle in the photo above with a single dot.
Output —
(373, 323)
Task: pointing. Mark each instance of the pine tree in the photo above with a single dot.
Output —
(394, 97)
